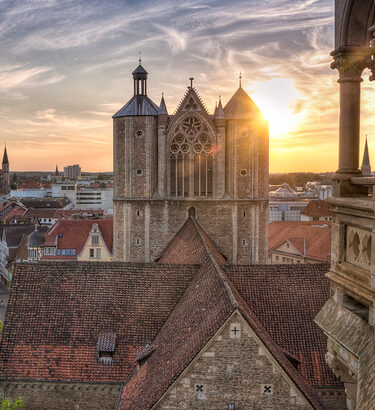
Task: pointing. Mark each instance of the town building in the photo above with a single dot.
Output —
(286, 210)
(299, 242)
(73, 240)
(13, 247)
(317, 210)
(72, 171)
(167, 167)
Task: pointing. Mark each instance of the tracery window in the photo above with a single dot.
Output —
(191, 159)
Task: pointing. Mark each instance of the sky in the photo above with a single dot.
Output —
(65, 69)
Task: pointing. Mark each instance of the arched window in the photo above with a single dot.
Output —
(191, 160)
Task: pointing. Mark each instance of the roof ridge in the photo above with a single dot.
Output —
(217, 267)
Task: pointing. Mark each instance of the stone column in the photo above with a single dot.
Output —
(350, 62)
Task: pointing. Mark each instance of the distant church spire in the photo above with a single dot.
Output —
(57, 171)
(366, 167)
(5, 157)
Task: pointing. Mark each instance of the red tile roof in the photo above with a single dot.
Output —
(312, 239)
(72, 234)
(177, 308)
(205, 305)
(57, 311)
(316, 208)
(286, 298)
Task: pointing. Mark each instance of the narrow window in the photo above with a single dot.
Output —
(99, 253)
(95, 240)
(137, 241)
(92, 253)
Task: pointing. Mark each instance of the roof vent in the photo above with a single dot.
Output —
(106, 348)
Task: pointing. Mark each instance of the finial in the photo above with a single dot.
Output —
(140, 57)
(240, 78)
(191, 81)
(162, 94)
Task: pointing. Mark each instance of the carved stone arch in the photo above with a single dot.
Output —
(356, 18)
(206, 127)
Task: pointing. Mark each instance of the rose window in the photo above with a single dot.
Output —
(191, 126)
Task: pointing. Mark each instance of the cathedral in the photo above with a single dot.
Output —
(167, 167)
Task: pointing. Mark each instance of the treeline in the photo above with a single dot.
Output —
(295, 179)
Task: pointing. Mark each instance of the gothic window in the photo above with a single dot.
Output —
(191, 160)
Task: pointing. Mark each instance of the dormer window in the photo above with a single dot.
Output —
(106, 348)
(95, 240)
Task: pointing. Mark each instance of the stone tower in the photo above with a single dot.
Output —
(5, 169)
(167, 167)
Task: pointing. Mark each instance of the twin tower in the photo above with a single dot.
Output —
(169, 167)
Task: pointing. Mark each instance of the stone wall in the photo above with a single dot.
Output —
(62, 396)
(234, 368)
(333, 398)
(144, 228)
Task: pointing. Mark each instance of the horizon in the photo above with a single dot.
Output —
(68, 70)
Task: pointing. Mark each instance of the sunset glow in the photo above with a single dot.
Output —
(68, 70)
(277, 99)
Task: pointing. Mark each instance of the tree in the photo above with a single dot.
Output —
(6, 404)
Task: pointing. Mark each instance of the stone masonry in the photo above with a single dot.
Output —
(236, 368)
(149, 208)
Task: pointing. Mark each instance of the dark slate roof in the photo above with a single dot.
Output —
(138, 105)
(64, 307)
(207, 302)
(14, 233)
(240, 106)
(45, 202)
(5, 157)
(106, 342)
(35, 239)
(139, 70)
(286, 298)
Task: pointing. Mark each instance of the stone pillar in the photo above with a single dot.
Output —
(163, 155)
(350, 62)
(220, 158)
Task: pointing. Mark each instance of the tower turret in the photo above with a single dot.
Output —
(366, 166)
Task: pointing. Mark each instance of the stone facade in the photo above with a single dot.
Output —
(213, 165)
(234, 368)
(348, 316)
(62, 396)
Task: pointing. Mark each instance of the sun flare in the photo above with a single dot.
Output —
(277, 99)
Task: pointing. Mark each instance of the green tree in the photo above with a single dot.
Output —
(6, 404)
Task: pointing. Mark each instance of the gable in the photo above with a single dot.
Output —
(287, 247)
(191, 106)
(234, 367)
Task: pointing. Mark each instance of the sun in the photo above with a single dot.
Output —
(277, 100)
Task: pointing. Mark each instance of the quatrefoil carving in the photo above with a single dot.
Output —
(358, 247)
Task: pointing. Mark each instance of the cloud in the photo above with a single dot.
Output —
(19, 76)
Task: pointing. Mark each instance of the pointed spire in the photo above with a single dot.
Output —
(366, 167)
(57, 170)
(220, 111)
(215, 108)
(162, 107)
(5, 156)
